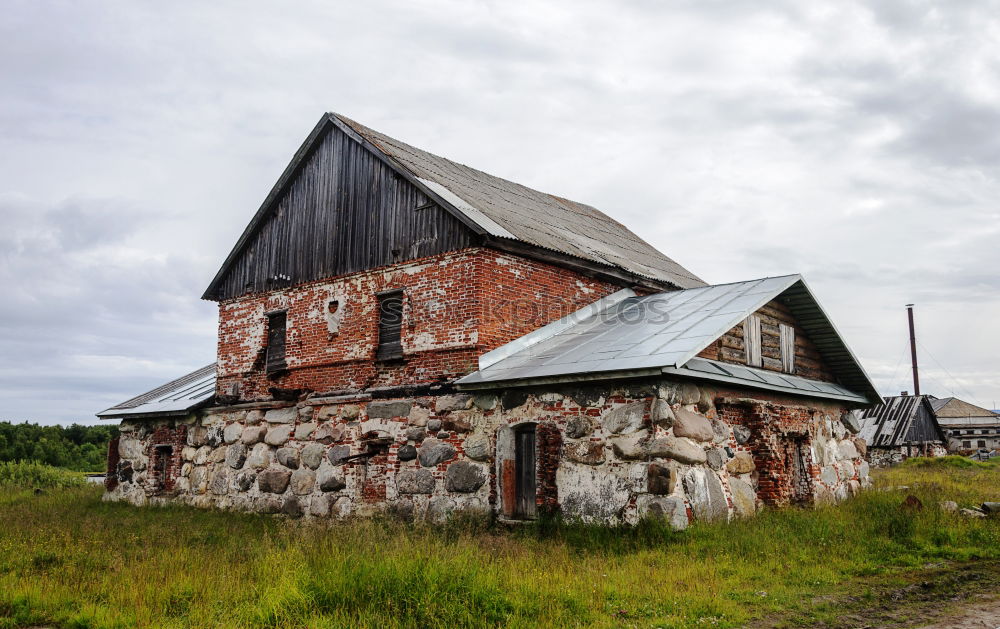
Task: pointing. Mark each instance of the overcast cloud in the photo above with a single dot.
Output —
(856, 143)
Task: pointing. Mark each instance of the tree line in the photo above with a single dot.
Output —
(77, 447)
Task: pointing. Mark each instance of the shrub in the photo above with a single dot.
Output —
(28, 475)
(954, 461)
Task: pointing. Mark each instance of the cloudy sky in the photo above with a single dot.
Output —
(856, 143)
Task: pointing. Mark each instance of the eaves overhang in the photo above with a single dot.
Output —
(697, 369)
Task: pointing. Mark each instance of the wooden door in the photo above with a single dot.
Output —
(524, 464)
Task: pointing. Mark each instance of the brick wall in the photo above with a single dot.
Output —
(165, 467)
(456, 306)
(549, 448)
(780, 435)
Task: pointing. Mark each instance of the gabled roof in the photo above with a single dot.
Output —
(899, 420)
(500, 211)
(627, 335)
(177, 397)
(952, 407)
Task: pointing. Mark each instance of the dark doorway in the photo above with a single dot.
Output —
(161, 466)
(524, 467)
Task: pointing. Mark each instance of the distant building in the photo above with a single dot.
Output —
(968, 427)
(901, 427)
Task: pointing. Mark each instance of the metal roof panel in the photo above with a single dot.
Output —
(509, 210)
(178, 396)
(667, 330)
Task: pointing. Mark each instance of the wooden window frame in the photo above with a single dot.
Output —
(752, 341)
(786, 335)
(389, 343)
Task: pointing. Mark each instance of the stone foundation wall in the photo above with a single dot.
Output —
(604, 453)
(884, 457)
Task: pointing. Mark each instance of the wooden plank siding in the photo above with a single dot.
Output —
(808, 362)
(345, 211)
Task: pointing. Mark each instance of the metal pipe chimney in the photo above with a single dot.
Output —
(913, 350)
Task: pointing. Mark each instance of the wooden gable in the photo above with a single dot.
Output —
(778, 328)
(339, 209)
(924, 425)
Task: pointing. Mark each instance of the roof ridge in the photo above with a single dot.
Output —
(631, 253)
(355, 123)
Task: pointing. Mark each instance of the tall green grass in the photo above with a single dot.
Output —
(30, 475)
(69, 560)
(950, 461)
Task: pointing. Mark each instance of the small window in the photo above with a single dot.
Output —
(966, 444)
(751, 340)
(276, 341)
(390, 325)
(981, 444)
(787, 337)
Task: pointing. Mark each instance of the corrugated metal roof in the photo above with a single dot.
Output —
(893, 423)
(938, 404)
(506, 209)
(176, 397)
(665, 331)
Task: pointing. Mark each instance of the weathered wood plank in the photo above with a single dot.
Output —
(344, 211)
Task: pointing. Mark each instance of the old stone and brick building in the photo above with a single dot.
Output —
(401, 333)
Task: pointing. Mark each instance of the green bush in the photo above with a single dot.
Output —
(955, 461)
(29, 475)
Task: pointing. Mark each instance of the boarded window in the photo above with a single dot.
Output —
(787, 338)
(276, 341)
(390, 325)
(751, 340)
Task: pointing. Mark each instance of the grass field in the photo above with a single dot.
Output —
(69, 560)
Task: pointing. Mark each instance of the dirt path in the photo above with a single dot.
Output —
(941, 596)
(982, 615)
